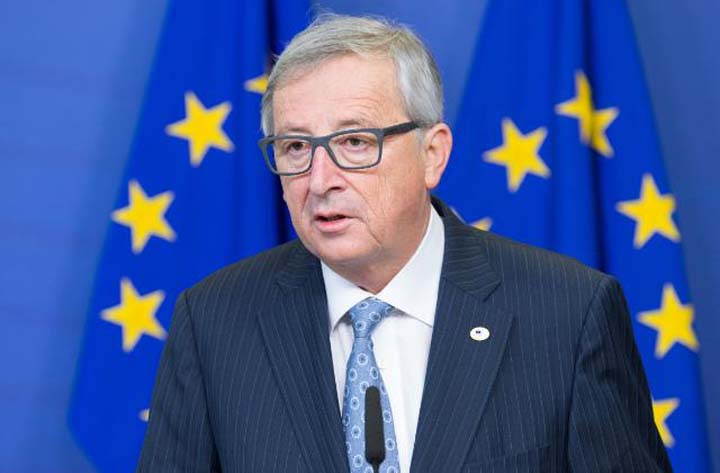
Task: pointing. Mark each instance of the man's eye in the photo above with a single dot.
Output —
(296, 147)
(355, 142)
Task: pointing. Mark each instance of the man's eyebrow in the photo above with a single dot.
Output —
(353, 123)
(345, 124)
(292, 130)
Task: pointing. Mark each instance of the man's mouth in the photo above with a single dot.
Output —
(332, 223)
(330, 218)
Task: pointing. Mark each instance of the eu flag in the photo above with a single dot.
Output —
(556, 147)
(195, 196)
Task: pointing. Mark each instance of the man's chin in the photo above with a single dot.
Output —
(342, 257)
(340, 252)
(348, 248)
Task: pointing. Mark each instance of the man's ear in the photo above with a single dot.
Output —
(437, 145)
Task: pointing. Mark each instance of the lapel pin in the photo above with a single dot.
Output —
(479, 334)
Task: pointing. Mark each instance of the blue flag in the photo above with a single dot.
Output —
(195, 196)
(556, 147)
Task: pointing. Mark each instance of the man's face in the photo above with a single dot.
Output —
(362, 218)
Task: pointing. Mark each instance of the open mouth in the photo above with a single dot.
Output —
(331, 218)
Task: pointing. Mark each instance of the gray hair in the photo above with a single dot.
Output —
(332, 35)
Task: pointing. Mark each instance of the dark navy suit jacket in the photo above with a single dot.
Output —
(246, 381)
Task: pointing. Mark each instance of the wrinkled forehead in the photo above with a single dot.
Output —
(343, 87)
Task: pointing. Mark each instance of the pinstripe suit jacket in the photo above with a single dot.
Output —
(246, 381)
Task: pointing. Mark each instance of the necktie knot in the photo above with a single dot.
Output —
(366, 314)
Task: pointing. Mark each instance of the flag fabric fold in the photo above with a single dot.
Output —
(556, 146)
(195, 196)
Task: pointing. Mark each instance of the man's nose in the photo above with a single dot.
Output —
(324, 173)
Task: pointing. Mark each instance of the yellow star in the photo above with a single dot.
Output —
(593, 124)
(145, 216)
(202, 127)
(662, 409)
(483, 224)
(135, 314)
(673, 322)
(519, 153)
(257, 84)
(652, 213)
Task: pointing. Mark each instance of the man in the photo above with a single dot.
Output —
(486, 355)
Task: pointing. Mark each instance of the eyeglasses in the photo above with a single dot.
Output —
(290, 155)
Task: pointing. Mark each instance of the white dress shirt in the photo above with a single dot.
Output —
(402, 339)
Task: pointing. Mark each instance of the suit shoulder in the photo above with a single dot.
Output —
(547, 289)
(515, 259)
(249, 274)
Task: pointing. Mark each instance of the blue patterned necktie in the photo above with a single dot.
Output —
(362, 372)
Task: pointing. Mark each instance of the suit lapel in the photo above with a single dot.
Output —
(295, 331)
(460, 371)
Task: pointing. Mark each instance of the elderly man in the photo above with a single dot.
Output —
(479, 354)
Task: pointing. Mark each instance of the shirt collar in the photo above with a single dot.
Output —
(413, 290)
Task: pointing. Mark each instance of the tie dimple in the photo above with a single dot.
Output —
(362, 372)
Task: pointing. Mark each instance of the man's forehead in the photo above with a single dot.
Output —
(342, 92)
